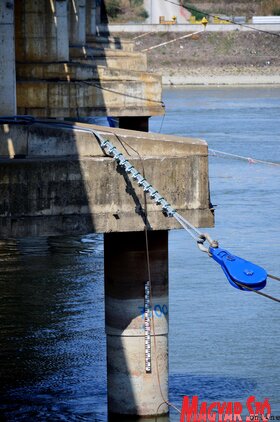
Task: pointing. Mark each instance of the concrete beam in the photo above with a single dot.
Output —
(7, 59)
(64, 184)
(73, 89)
(117, 59)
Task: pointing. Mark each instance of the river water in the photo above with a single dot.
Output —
(224, 344)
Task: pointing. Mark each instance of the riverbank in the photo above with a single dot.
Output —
(208, 77)
(232, 58)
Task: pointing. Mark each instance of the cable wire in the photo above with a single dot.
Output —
(162, 121)
(147, 188)
(120, 93)
(273, 277)
(257, 291)
(165, 401)
(171, 41)
(193, 9)
(222, 154)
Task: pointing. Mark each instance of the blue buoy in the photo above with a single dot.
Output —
(238, 270)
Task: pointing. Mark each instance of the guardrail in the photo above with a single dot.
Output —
(265, 19)
(142, 28)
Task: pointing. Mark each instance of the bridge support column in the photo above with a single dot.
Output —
(41, 31)
(7, 59)
(78, 22)
(131, 390)
(91, 17)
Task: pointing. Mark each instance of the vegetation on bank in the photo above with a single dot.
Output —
(124, 11)
(234, 7)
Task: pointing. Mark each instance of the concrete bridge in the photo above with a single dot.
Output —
(57, 180)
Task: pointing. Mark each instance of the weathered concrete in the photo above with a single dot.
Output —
(117, 59)
(65, 184)
(132, 391)
(49, 85)
(91, 18)
(81, 90)
(41, 31)
(7, 59)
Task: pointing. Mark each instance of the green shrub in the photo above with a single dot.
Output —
(196, 13)
(276, 11)
(143, 14)
(136, 3)
(113, 8)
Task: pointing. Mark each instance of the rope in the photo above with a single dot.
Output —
(169, 42)
(162, 121)
(250, 160)
(143, 35)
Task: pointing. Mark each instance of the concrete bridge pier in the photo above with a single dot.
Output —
(131, 390)
(78, 18)
(7, 59)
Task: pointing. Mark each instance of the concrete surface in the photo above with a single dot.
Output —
(56, 80)
(60, 182)
(71, 90)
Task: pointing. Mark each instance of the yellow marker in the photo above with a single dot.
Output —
(204, 22)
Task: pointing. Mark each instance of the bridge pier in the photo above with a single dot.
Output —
(131, 390)
(7, 60)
